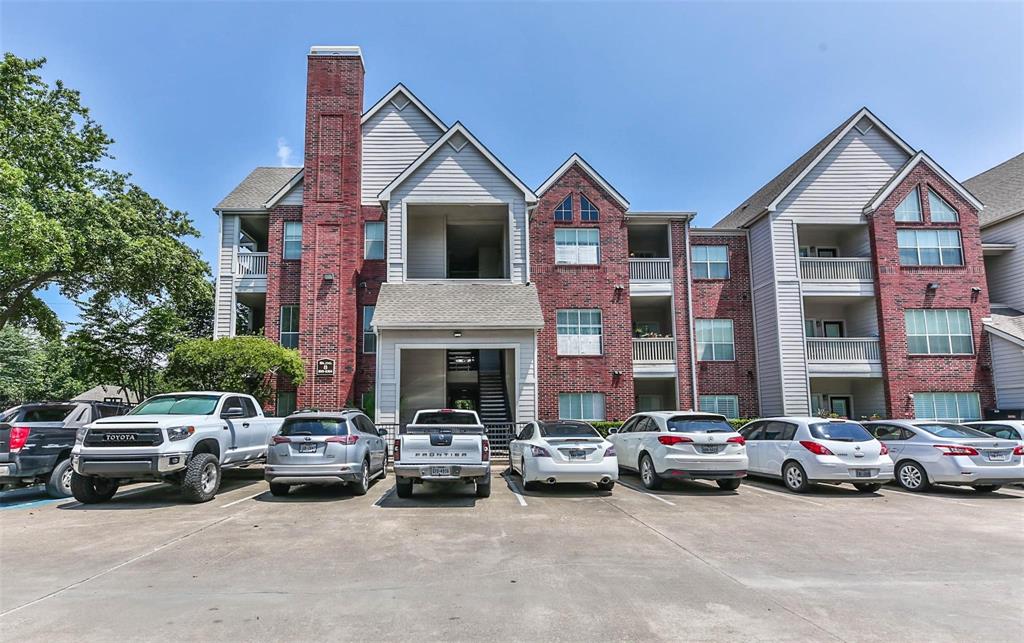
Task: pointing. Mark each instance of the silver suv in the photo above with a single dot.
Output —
(326, 448)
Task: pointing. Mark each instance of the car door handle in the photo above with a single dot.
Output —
(245, 425)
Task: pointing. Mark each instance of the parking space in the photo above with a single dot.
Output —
(689, 561)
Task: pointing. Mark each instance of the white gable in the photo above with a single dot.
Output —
(393, 137)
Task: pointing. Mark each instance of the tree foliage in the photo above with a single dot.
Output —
(67, 222)
(244, 364)
(34, 368)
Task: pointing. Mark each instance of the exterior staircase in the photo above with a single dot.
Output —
(494, 408)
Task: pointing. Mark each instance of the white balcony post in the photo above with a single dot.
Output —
(843, 349)
(651, 350)
(251, 264)
(650, 269)
(836, 269)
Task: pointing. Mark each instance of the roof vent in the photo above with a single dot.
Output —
(458, 141)
(864, 125)
(400, 102)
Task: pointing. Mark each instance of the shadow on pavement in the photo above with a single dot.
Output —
(819, 490)
(679, 487)
(159, 496)
(431, 495)
(558, 490)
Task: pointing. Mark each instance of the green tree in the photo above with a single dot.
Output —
(33, 368)
(70, 224)
(244, 364)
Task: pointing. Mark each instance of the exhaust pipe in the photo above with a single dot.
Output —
(605, 480)
(551, 481)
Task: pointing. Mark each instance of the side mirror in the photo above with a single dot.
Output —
(231, 413)
(612, 430)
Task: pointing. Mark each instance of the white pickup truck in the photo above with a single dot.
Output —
(443, 445)
(181, 438)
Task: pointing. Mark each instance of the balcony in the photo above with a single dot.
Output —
(251, 264)
(650, 270)
(654, 350)
(844, 357)
(837, 276)
(650, 265)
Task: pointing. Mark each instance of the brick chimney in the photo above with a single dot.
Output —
(331, 230)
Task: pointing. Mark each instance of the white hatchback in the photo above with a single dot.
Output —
(682, 445)
(563, 451)
(805, 450)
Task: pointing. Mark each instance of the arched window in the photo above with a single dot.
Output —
(587, 210)
(564, 210)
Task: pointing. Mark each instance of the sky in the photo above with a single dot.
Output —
(681, 106)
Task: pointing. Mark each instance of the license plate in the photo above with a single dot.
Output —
(998, 456)
(440, 471)
(120, 437)
(862, 473)
(308, 448)
(577, 454)
(709, 448)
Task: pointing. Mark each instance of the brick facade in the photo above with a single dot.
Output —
(899, 288)
(729, 299)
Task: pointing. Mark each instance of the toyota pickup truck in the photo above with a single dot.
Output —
(443, 445)
(182, 438)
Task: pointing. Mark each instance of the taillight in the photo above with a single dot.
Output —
(486, 455)
(815, 448)
(885, 449)
(19, 436)
(955, 449)
(1019, 450)
(539, 452)
(739, 439)
(609, 452)
(343, 439)
(669, 440)
(281, 439)
(398, 450)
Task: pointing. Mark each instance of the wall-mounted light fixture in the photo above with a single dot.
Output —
(328, 276)
(933, 286)
(976, 289)
(456, 333)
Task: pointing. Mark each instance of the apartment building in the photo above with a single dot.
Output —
(412, 268)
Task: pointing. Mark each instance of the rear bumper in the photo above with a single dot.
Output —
(543, 469)
(129, 466)
(880, 472)
(696, 468)
(312, 474)
(962, 470)
(27, 467)
(457, 471)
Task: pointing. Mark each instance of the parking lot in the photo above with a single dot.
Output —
(568, 563)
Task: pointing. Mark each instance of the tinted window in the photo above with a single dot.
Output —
(248, 407)
(690, 424)
(45, 413)
(841, 431)
(108, 410)
(1001, 431)
(888, 432)
(446, 417)
(177, 405)
(753, 431)
(566, 430)
(526, 433)
(314, 426)
(775, 431)
(952, 431)
(789, 432)
(365, 424)
(646, 425)
(628, 426)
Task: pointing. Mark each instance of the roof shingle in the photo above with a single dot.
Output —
(257, 188)
(461, 305)
(1001, 189)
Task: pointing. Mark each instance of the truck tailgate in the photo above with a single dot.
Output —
(442, 447)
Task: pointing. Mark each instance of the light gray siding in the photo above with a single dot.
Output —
(392, 139)
(224, 304)
(769, 375)
(427, 246)
(789, 318)
(1005, 273)
(450, 176)
(294, 196)
(846, 178)
(1008, 372)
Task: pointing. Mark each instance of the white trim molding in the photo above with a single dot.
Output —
(576, 159)
(917, 159)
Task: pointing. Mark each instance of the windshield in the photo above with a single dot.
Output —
(446, 417)
(568, 431)
(840, 432)
(43, 414)
(314, 426)
(943, 430)
(177, 405)
(710, 424)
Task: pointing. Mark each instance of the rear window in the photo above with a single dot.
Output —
(568, 431)
(314, 426)
(45, 413)
(840, 431)
(1000, 431)
(943, 430)
(710, 424)
(446, 417)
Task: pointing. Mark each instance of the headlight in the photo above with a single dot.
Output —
(80, 435)
(180, 432)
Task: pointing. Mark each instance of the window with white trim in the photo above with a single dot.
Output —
(942, 212)
(715, 340)
(710, 262)
(373, 240)
(727, 405)
(292, 240)
(949, 407)
(939, 331)
(564, 210)
(289, 326)
(369, 337)
(909, 208)
(579, 331)
(588, 211)
(581, 406)
(930, 247)
(580, 246)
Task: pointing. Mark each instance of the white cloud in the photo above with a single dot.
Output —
(284, 153)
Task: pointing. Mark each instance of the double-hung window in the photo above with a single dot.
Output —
(290, 326)
(710, 262)
(588, 212)
(579, 332)
(373, 240)
(727, 405)
(715, 340)
(292, 239)
(950, 407)
(939, 331)
(581, 246)
(564, 210)
(369, 337)
(930, 247)
(581, 406)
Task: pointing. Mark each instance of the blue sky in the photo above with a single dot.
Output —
(688, 106)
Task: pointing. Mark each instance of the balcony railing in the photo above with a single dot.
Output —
(650, 269)
(654, 350)
(843, 349)
(836, 269)
(251, 264)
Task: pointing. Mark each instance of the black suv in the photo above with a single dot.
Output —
(36, 441)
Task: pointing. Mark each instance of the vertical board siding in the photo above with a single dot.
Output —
(763, 282)
(1008, 366)
(393, 139)
(224, 304)
(1006, 272)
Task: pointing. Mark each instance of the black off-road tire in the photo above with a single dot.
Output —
(403, 488)
(59, 483)
(483, 489)
(606, 486)
(202, 478)
(90, 490)
(729, 484)
(279, 489)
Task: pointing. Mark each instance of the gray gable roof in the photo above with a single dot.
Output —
(455, 306)
(257, 188)
(1001, 189)
(1009, 321)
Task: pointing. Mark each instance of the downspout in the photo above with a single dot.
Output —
(689, 311)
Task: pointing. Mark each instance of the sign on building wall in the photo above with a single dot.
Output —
(325, 367)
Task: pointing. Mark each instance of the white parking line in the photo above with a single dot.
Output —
(779, 493)
(920, 495)
(235, 502)
(514, 488)
(646, 493)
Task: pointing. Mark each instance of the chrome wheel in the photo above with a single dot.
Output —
(209, 479)
(794, 477)
(911, 477)
(647, 471)
(366, 475)
(65, 480)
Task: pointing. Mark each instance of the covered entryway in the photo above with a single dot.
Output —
(480, 380)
